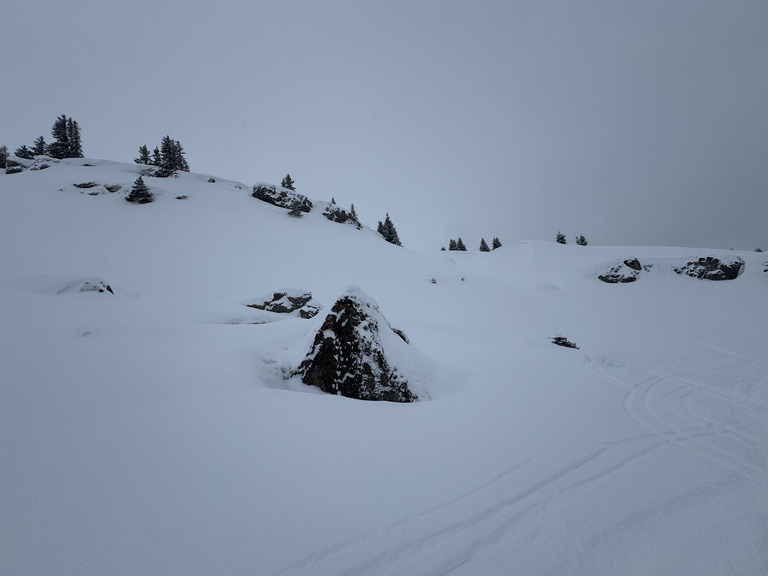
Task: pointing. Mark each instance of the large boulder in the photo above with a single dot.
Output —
(282, 197)
(711, 268)
(348, 356)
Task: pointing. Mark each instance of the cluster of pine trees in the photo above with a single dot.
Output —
(580, 240)
(66, 143)
(459, 246)
(388, 231)
(169, 157)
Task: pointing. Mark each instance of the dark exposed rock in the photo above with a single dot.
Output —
(347, 357)
(633, 263)
(96, 286)
(622, 273)
(282, 197)
(296, 302)
(711, 268)
(337, 214)
(563, 341)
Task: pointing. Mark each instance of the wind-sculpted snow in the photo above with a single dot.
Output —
(157, 429)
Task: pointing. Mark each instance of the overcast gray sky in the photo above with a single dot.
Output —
(632, 122)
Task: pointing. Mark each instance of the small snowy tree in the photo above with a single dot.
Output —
(460, 245)
(496, 244)
(288, 183)
(3, 156)
(38, 148)
(143, 157)
(560, 238)
(484, 246)
(296, 209)
(581, 241)
(157, 158)
(140, 193)
(25, 152)
(388, 231)
(452, 245)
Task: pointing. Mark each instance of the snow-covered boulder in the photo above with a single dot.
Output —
(349, 355)
(282, 197)
(296, 302)
(711, 268)
(622, 273)
(335, 213)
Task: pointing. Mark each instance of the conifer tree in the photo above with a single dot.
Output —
(452, 245)
(560, 238)
(156, 157)
(495, 244)
(59, 148)
(460, 245)
(25, 152)
(484, 246)
(288, 183)
(353, 214)
(388, 231)
(3, 156)
(74, 144)
(38, 148)
(143, 157)
(581, 241)
(139, 192)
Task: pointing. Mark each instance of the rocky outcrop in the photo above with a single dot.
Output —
(348, 356)
(96, 286)
(336, 214)
(711, 268)
(296, 302)
(622, 273)
(282, 197)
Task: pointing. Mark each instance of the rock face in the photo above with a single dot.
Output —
(711, 268)
(282, 197)
(622, 273)
(297, 302)
(347, 356)
(96, 286)
(336, 214)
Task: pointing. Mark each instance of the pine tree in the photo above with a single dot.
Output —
(139, 192)
(143, 157)
(484, 246)
(452, 245)
(560, 238)
(74, 144)
(495, 244)
(581, 241)
(288, 183)
(388, 231)
(460, 245)
(25, 152)
(157, 158)
(59, 148)
(38, 148)
(181, 162)
(353, 214)
(3, 156)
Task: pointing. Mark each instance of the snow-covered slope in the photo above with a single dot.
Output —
(151, 430)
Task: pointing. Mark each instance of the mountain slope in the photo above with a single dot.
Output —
(150, 430)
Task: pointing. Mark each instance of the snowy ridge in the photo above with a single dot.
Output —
(157, 429)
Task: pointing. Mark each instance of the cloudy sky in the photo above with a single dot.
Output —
(640, 122)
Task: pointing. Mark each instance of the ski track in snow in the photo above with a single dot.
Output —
(686, 412)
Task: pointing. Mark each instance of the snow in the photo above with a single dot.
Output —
(152, 431)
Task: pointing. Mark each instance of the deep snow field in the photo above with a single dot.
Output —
(151, 431)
